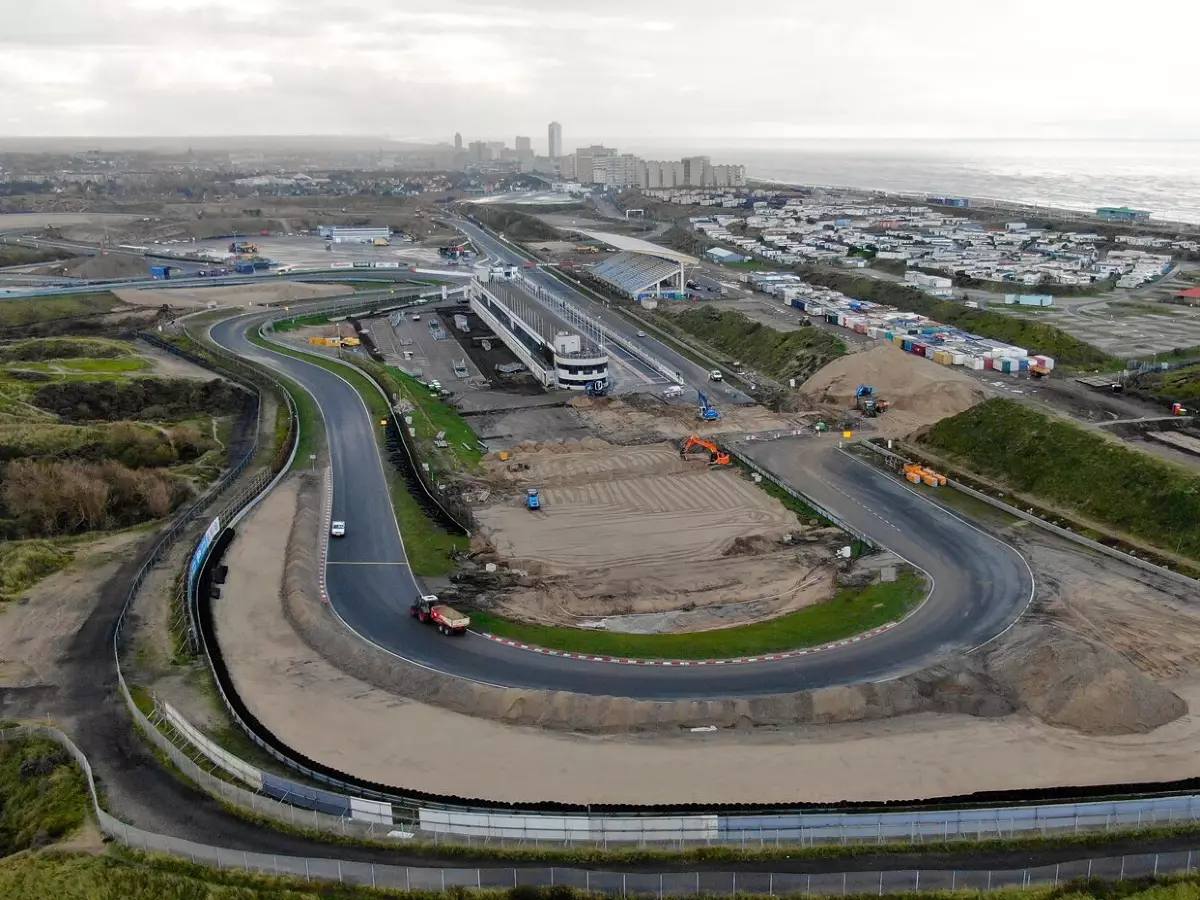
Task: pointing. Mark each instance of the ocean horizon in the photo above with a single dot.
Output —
(1161, 176)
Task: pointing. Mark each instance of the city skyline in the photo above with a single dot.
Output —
(137, 67)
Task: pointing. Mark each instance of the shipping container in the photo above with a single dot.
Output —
(988, 363)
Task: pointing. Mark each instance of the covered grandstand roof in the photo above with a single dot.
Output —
(637, 245)
(633, 273)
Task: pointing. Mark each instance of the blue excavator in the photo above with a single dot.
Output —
(706, 412)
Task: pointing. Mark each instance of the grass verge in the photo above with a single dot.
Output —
(433, 416)
(301, 322)
(25, 563)
(59, 306)
(1066, 465)
(779, 354)
(852, 611)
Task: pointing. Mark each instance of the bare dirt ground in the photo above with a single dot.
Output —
(36, 631)
(355, 726)
(171, 366)
(640, 419)
(99, 267)
(239, 295)
(96, 223)
(920, 392)
(628, 530)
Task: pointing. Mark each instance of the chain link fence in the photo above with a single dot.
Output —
(608, 883)
(483, 828)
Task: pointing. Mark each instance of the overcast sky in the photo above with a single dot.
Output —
(666, 72)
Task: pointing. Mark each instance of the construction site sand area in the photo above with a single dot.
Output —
(640, 418)
(920, 391)
(232, 295)
(349, 724)
(629, 530)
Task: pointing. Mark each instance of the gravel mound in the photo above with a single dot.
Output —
(926, 391)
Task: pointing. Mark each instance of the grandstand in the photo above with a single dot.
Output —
(638, 274)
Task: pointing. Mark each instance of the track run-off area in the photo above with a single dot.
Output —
(980, 585)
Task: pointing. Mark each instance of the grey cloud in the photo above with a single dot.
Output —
(667, 69)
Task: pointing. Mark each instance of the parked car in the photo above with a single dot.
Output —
(338, 529)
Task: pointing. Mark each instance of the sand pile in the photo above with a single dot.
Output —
(272, 292)
(1068, 681)
(925, 391)
(97, 268)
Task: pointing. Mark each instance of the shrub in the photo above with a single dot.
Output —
(138, 398)
(63, 348)
(43, 499)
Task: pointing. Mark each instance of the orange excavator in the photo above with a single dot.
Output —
(716, 456)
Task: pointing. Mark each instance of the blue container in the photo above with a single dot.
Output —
(907, 346)
(1024, 365)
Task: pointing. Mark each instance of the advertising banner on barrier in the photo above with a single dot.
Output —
(206, 542)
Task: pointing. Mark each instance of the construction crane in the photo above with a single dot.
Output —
(716, 456)
(706, 412)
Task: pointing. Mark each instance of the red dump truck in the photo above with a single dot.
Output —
(448, 619)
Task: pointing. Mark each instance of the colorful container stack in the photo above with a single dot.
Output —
(943, 344)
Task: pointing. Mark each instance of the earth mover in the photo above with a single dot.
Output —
(447, 619)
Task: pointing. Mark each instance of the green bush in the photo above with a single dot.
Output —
(1077, 469)
(779, 354)
(43, 795)
(140, 398)
(64, 348)
(1036, 337)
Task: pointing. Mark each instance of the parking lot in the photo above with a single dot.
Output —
(423, 342)
(307, 251)
(1127, 329)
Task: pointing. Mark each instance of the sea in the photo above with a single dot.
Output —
(1162, 177)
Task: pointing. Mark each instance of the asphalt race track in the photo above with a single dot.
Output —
(981, 585)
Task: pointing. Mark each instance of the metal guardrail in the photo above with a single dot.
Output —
(1111, 552)
(609, 883)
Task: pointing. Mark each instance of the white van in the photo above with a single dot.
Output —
(672, 392)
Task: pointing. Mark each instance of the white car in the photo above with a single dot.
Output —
(337, 529)
(641, 334)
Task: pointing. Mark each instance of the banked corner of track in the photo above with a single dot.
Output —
(980, 585)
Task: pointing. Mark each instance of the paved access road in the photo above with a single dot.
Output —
(695, 375)
(981, 584)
